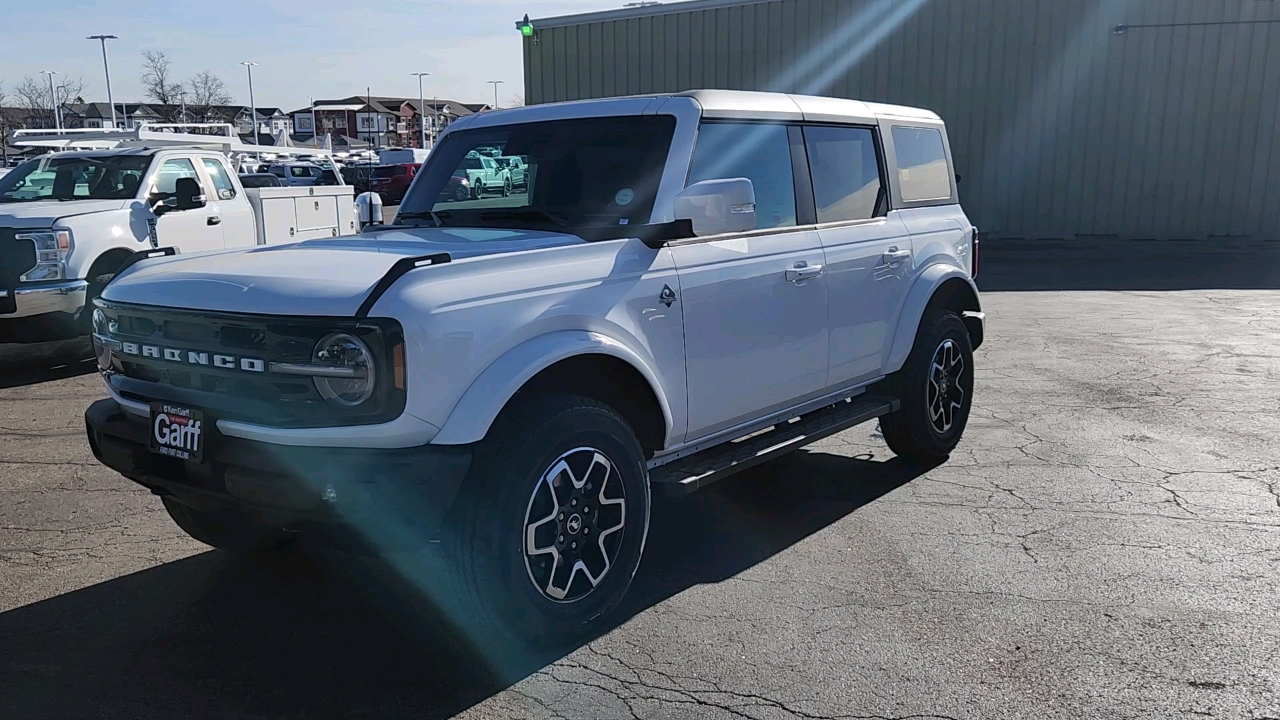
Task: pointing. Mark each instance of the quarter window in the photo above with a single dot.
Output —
(922, 164)
(221, 181)
(845, 173)
(760, 153)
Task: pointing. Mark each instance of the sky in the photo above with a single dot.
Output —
(320, 48)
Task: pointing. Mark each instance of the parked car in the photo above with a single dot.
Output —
(358, 176)
(694, 284)
(392, 181)
(457, 188)
(485, 175)
(259, 180)
(516, 170)
(293, 174)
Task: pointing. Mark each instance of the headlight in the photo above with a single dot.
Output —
(52, 249)
(354, 376)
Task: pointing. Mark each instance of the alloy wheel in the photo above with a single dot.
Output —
(574, 524)
(945, 394)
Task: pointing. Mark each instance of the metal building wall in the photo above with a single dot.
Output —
(1060, 124)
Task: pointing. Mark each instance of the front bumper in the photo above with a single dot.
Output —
(381, 499)
(42, 312)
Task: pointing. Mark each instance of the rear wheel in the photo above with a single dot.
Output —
(548, 534)
(935, 386)
(225, 530)
(461, 193)
(506, 187)
(477, 190)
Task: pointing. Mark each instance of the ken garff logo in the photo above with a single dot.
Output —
(668, 295)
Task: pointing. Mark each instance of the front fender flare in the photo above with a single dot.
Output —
(479, 406)
(922, 290)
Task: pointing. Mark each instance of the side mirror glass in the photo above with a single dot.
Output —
(718, 206)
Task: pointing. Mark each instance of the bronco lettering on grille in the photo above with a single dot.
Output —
(193, 357)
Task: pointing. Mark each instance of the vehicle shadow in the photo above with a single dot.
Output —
(41, 362)
(315, 634)
(1129, 265)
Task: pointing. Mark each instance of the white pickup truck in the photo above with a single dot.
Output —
(691, 284)
(69, 219)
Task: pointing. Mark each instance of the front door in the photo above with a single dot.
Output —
(868, 250)
(754, 305)
(194, 230)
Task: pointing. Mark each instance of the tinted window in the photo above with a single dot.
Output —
(259, 180)
(760, 153)
(71, 178)
(221, 181)
(845, 172)
(167, 177)
(922, 164)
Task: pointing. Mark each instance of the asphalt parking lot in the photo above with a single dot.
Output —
(1104, 544)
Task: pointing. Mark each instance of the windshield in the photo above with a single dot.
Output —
(585, 172)
(75, 178)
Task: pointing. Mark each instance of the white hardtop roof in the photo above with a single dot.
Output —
(722, 104)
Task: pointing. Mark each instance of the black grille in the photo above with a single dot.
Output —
(233, 392)
(16, 258)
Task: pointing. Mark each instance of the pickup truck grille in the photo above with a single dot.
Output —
(221, 363)
(16, 258)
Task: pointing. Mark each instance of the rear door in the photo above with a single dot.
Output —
(755, 327)
(194, 230)
(868, 249)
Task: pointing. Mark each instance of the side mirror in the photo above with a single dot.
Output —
(718, 206)
(187, 192)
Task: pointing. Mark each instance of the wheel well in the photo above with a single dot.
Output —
(958, 296)
(613, 382)
(108, 262)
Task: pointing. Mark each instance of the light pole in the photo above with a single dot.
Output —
(107, 69)
(422, 113)
(53, 98)
(315, 131)
(253, 108)
(495, 84)
(183, 96)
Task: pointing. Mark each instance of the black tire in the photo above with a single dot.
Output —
(225, 530)
(84, 323)
(496, 582)
(477, 190)
(935, 402)
(462, 194)
(506, 188)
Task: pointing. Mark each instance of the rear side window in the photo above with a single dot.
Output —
(221, 181)
(922, 164)
(760, 153)
(845, 173)
(299, 171)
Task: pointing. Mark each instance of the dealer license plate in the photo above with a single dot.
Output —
(177, 431)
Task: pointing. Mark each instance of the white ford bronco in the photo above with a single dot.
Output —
(688, 285)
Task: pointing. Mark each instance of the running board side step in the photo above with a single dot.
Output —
(695, 472)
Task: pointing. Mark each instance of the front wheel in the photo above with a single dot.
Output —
(506, 188)
(548, 534)
(935, 386)
(461, 194)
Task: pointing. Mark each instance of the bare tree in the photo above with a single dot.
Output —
(6, 123)
(205, 91)
(34, 101)
(159, 86)
(516, 100)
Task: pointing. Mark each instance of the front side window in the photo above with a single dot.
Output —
(166, 182)
(845, 173)
(578, 173)
(760, 153)
(922, 164)
(74, 178)
(221, 180)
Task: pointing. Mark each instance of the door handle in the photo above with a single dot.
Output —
(213, 220)
(895, 257)
(803, 271)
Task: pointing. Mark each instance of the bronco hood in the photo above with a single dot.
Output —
(315, 277)
(43, 213)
